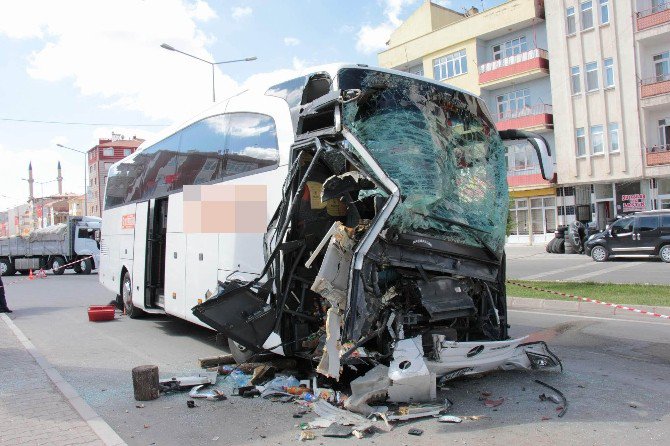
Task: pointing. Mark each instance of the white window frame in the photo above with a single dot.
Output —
(570, 21)
(576, 73)
(510, 48)
(591, 68)
(513, 102)
(108, 151)
(586, 7)
(613, 136)
(597, 133)
(662, 60)
(127, 152)
(521, 204)
(544, 210)
(662, 125)
(580, 139)
(608, 72)
(457, 61)
(604, 11)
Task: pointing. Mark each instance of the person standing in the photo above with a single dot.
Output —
(3, 301)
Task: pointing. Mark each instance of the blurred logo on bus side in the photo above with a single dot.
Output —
(225, 209)
(128, 221)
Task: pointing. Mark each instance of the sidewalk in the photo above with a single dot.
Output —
(33, 411)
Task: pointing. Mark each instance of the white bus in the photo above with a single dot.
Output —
(226, 221)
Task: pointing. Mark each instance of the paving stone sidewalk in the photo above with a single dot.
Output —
(32, 409)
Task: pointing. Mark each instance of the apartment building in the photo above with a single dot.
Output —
(100, 159)
(652, 45)
(611, 93)
(500, 54)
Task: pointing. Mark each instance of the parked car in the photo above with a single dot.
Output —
(644, 234)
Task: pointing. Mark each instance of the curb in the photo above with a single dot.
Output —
(99, 426)
(575, 306)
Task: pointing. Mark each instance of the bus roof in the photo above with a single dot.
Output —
(260, 89)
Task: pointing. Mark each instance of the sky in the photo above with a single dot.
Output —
(99, 62)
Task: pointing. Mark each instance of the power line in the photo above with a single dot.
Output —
(33, 121)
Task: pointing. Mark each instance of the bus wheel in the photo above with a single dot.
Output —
(85, 265)
(57, 266)
(6, 267)
(239, 352)
(77, 267)
(127, 296)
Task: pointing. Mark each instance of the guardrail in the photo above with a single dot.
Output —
(658, 15)
(656, 9)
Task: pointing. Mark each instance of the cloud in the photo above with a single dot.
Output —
(444, 3)
(373, 38)
(119, 59)
(291, 41)
(240, 12)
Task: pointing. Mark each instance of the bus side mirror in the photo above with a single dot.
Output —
(540, 146)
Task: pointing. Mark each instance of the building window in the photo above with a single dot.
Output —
(513, 104)
(591, 76)
(586, 9)
(510, 48)
(451, 65)
(543, 214)
(659, 5)
(613, 129)
(416, 69)
(127, 152)
(581, 142)
(608, 73)
(576, 80)
(664, 132)
(519, 213)
(597, 146)
(662, 66)
(604, 11)
(570, 18)
(108, 151)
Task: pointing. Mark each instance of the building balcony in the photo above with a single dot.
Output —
(654, 90)
(526, 178)
(658, 155)
(652, 17)
(526, 66)
(536, 118)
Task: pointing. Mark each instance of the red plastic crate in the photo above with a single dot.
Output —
(97, 313)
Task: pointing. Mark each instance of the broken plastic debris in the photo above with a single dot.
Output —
(209, 394)
(369, 387)
(335, 415)
(449, 419)
(185, 382)
(415, 431)
(411, 381)
(552, 398)
(338, 431)
(307, 435)
(564, 400)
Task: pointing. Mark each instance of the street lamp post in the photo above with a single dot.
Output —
(83, 214)
(246, 59)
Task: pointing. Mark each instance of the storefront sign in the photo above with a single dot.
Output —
(633, 203)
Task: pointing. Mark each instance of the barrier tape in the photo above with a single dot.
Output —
(593, 301)
(42, 274)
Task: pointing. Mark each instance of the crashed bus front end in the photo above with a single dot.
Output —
(388, 246)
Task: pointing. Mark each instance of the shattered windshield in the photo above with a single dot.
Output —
(441, 149)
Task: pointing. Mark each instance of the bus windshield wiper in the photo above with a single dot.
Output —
(470, 229)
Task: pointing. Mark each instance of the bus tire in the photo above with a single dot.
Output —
(85, 265)
(240, 353)
(127, 298)
(77, 268)
(57, 265)
(7, 267)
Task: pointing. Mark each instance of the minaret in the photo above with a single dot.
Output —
(31, 197)
(60, 180)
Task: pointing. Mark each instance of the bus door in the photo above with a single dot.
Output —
(139, 253)
(155, 267)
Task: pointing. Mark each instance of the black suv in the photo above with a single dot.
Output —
(644, 234)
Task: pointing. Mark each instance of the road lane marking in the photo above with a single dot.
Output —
(604, 271)
(667, 324)
(553, 271)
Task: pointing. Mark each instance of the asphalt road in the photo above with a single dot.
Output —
(616, 378)
(534, 263)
